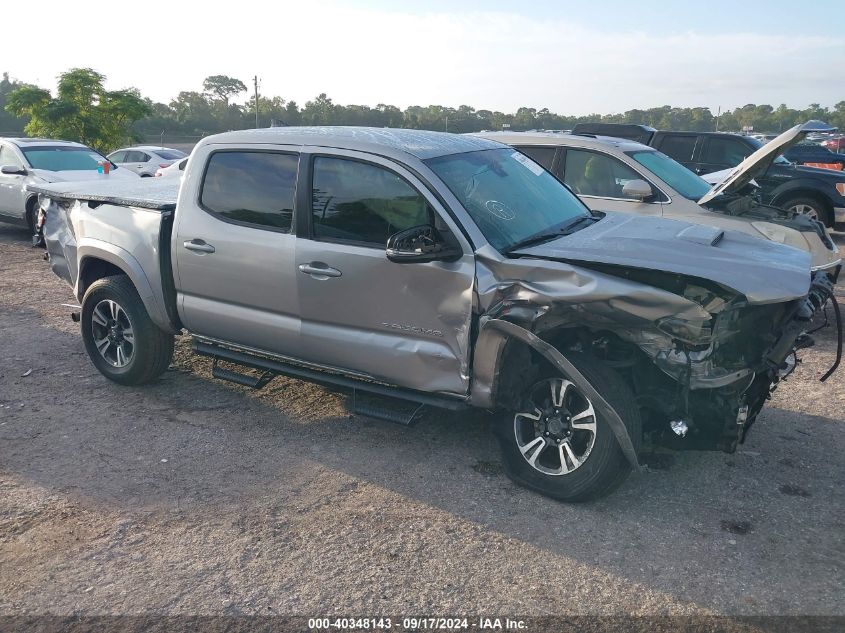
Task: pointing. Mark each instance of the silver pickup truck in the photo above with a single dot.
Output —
(439, 270)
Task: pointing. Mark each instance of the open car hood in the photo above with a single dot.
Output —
(759, 162)
(763, 271)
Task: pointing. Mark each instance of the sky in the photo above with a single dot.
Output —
(573, 57)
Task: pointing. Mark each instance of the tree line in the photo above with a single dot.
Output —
(84, 110)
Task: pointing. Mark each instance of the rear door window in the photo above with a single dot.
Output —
(119, 157)
(354, 201)
(252, 188)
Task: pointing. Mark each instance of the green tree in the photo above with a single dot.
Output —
(320, 111)
(10, 125)
(82, 111)
(223, 87)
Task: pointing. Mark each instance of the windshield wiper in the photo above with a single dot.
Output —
(578, 223)
(566, 229)
(531, 240)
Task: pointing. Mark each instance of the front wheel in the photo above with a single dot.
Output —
(120, 338)
(810, 207)
(555, 441)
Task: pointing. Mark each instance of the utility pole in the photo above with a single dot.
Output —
(255, 81)
(718, 114)
(447, 122)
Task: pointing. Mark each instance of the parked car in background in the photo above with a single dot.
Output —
(145, 160)
(26, 161)
(815, 155)
(444, 270)
(612, 174)
(173, 170)
(835, 144)
(819, 192)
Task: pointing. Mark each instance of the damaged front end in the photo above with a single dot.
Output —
(724, 376)
(701, 358)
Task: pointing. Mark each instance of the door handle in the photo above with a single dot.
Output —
(319, 270)
(199, 246)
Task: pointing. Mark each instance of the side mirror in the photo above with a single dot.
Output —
(13, 170)
(638, 190)
(421, 244)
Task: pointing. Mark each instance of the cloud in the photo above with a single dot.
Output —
(495, 60)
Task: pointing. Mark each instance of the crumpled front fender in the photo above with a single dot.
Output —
(493, 335)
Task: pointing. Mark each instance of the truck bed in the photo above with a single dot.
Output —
(147, 193)
(117, 224)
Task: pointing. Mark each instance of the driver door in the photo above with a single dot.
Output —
(406, 324)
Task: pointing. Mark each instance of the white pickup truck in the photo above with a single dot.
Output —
(440, 270)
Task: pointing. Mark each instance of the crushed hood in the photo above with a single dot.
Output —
(759, 162)
(763, 271)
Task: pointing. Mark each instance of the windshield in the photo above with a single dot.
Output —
(674, 174)
(63, 158)
(170, 154)
(508, 195)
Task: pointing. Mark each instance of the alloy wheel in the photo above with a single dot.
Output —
(557, 429)
(113, 334)
(805, 209)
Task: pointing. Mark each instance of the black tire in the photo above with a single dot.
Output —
(151, 348)
(604, 468)
(820, 209)
(146, 175)
(31, 215)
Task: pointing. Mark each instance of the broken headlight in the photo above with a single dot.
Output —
(692, 332)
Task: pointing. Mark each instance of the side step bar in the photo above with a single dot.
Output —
(253, 382)
(386, 408)
(278, 368)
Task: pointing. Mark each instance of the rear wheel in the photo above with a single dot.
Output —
(556, 442)
(811, 207)
(120, 338)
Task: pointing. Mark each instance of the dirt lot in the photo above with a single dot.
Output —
(192, 496)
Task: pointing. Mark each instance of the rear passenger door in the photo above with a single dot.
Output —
(136, 160)
(233, 250)
(406, 324)
(599, 179)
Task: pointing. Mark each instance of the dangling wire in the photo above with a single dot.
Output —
(838, 339)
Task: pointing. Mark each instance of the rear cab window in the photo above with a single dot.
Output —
(251, 187)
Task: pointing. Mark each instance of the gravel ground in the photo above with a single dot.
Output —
(192, 496)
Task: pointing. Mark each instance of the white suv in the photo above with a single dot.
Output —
(145, 160)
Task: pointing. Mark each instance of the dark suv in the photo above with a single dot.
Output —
(819, 192)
